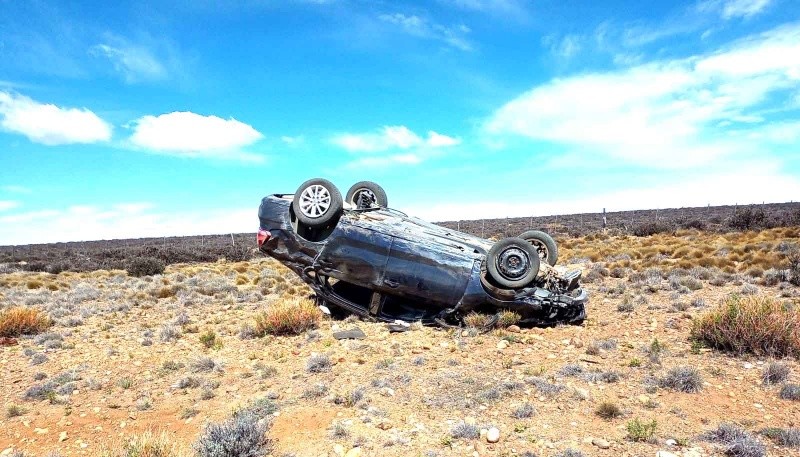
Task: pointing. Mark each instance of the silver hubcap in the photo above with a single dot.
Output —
(315, 201)
(513, 263)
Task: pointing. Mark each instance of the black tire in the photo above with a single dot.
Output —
(512, 263)
(375, 192)
(317, 203)
(544, 244)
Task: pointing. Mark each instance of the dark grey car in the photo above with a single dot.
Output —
(361, 256)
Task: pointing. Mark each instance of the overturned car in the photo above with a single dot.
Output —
(360, 256)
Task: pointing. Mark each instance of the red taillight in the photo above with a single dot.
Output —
(262, 237)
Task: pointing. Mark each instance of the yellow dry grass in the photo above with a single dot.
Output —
(289, 316)
(23, 321)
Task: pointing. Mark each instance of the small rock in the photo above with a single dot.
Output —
(62, 437)
(502, 344)
(576, 342)
(643, 399)
(601, 443)
(338, 449)
(355, 452)
(671, 442)
(354, 333)
(40, 431)
(513, 328)
(748, 365)
(665, 454)
(493, 435)
(469, 420)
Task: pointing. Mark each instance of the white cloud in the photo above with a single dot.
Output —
(293, 141)
(386, 161)
(392, 137)
(507, 8)
(564, 47)
(134, 63)
(419, 27)
(664, 113)
(16, 189)
(125, 220)
(6, 205)
(188, 134)
(49, 124)
(753, 184)
(729, 9)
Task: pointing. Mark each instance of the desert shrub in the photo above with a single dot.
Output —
(569, 453)
(288, 317)
(735, 441)
(696, 224)
(145, 266)
(147, 444)
(350, 399)
(790, 392)
(747, 218)
(789, 437)
(19, 320)
(651, 228)
(205, 364)
(639, 430)
(463, 430)
(682, 379)
(243, 435)
(753, 323)
(507, 318)
(210, 340)
(318, 363)
(523, 411)
(775, 373)
(608, 410)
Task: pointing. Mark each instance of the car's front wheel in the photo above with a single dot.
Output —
(512, 263)
(369, 192)
(545, 245)
(317, 203)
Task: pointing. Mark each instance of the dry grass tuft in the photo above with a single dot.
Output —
(23, 321)
(147, 444)
(754, 323)
(288, 317)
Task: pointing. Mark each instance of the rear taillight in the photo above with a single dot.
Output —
(262, 237)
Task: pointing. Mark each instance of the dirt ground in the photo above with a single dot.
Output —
(125, 356)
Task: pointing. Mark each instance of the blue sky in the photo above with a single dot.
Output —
(130, 119)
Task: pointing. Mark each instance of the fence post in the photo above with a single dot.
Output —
(604, 218)
(233, 243)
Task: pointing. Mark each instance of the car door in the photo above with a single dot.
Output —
(355, 253)
(424, 268)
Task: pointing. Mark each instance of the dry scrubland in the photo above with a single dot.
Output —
(211, 355)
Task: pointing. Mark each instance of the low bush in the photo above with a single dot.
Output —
(790, 392)
(639, 430)
(288, 317)
(775, 373)
(608, 410)
(652, 228)
(747, 219)
(19, 320)
(754, 323)
(147, 444)
(243, 435)
(145, 266)
(682, 379)
(735, 441)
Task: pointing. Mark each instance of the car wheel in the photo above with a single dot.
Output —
(544, 244)
(512, 263)
(374, 193)
(317, 203)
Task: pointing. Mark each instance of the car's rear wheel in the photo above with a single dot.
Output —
(545, 245)
(317, 203)
(512, 263)
(370, 191)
